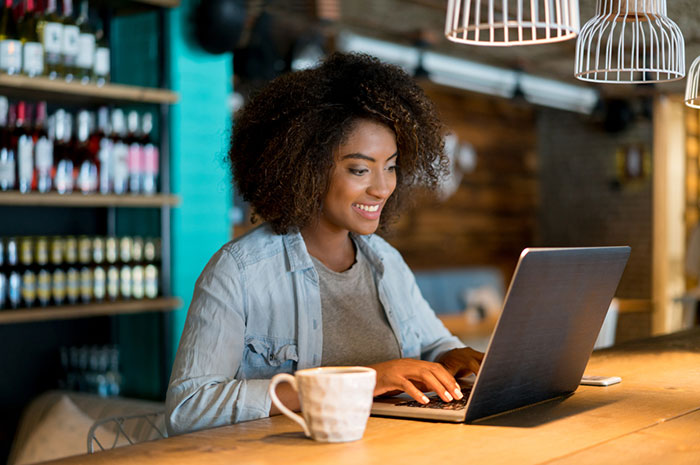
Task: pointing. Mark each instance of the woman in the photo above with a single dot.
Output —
(325, 157)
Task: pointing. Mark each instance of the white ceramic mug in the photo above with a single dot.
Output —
(335, 401)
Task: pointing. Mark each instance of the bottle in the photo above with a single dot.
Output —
(120, 153)
(125, 280)
(41, 258)
(87, 175)
(102, 144)
(86, 45)
(85, 258)
(50, 31)
(58, 277)
(72, 274)
(70, 46)
(24, 149)
(14, 281)
(43, 150)
(137, 271)
(32, 50)
(7, 155)
(99, 275)
(10, 45)
(150, 157)
(3, 279)
(101, 69)
(64, 153)
(26, 258)
(135, 152)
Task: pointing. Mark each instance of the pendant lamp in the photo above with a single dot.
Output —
(630, 41)
(692, 86)
(511, 22)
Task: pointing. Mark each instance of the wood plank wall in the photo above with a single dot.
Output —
(493, 214)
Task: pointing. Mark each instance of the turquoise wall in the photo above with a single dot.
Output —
(200, 126)
(199, 129)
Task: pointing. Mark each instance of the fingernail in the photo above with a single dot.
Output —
(458, 394)
(449, 397)
(424, 399)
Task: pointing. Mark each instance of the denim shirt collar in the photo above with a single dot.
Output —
(298, 258)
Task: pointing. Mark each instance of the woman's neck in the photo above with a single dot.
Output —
(335, 249)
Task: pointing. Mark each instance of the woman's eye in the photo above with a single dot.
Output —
(392, 168)
(357, 171)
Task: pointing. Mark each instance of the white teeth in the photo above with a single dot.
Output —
(367, 208)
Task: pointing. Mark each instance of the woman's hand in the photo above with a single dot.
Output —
(414, 376)
(461, 362)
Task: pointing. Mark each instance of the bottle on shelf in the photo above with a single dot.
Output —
(32, 50)
(14, 281)
(86, 54)
(58, 277)
(99, 280)
(24, 148)
(70, 45)
(10, 45)
(85, 259)
(102, 67)
(100, 140)
(111, 254)
(43, 277)
(135, 152)
(72, 273)
(50, 31)
(64, 152)
(87, 173)
(150, 157)
(120, 153)
(26, 259)
(43, 150)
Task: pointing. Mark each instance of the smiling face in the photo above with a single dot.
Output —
(363, 178)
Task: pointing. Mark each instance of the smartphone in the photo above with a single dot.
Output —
(591, 380)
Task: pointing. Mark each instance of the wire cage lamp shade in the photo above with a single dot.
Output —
(692, 85)
(511, 22)
(630, 41)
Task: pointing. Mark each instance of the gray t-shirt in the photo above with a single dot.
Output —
(355, 328)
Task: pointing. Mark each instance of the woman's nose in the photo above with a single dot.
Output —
(382, 185)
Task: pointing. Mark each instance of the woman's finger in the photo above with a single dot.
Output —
(447, 380)
(408, 387)
(432, 383)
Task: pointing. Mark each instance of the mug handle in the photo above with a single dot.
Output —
(281, 378)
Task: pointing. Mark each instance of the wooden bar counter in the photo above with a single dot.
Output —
(653, 416)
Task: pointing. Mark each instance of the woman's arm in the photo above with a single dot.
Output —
(203, 390)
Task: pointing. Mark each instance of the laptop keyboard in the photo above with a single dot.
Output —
(436, 402)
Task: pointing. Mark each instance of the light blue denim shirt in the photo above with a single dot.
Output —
(256, 312)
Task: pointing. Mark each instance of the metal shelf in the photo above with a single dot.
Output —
(53, 199)
(89, 310)
(41, 87)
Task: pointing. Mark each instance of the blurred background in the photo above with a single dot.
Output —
(97, 274)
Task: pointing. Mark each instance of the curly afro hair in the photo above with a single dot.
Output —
(283, 140)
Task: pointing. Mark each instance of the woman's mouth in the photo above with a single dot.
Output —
(368, 211)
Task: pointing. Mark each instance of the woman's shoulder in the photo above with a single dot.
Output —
(255, 245)
(381, 247)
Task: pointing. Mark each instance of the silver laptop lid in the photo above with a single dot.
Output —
(554, 308)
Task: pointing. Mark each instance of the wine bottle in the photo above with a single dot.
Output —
(24, 150)
(87, 175)
(86, 45)
(105, 149)
(32, 50)
(135, 152)
(102, 67)
(150, 157)
(7, 156)
(63, 152)
(10, 45)
(70, 46)
(43, 150)
(50, 32)
(120, 153)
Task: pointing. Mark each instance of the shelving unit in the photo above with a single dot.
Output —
(59, 90)
(89, 310)
(35, 199)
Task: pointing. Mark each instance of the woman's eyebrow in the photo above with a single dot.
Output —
(362, 156)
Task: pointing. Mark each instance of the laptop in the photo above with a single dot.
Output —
(553, 311)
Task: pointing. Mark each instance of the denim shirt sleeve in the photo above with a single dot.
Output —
(203, 391)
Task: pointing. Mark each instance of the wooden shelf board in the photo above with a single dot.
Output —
(43, 87)
(161, 3)
(88, 310)
(77, 199)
